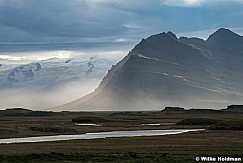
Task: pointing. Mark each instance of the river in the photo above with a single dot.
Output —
(98, 135)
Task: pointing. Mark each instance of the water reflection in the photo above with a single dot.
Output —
(98, 135)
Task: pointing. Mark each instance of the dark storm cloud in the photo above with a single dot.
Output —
(70, 21)
(33, 20)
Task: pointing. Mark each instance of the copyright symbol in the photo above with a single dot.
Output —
(197, 158)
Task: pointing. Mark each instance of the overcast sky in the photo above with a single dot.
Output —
(113, 22)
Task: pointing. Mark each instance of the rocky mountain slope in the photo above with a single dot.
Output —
(164, 70)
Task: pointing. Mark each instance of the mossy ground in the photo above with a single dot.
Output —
(171, 148)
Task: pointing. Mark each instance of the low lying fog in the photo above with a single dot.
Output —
(42, 100)
(61, 92)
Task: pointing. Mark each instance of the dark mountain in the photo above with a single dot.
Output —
(163, 70)
(226, 39)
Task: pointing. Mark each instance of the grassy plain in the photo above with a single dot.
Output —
(171, 148)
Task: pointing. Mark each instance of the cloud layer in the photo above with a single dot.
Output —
(110, 21)
(200, 3)
(184, 3)
(65, 21)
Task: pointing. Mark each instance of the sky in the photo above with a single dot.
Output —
(115, 25)
(33, 30)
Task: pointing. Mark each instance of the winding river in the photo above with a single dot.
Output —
(98, 135)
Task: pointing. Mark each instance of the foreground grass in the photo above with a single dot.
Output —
(94, 156)
(172, 148)
(64, 123)
(165, 154)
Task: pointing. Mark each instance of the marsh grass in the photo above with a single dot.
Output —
(171, 148)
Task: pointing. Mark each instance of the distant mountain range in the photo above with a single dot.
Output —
(52, 71)
(47, 83)
(164, 70)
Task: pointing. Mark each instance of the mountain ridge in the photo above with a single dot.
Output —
(165, 70)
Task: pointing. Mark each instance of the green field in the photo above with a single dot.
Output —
(171, 148)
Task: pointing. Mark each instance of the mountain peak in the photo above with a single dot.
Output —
(162, 36)
(227, 40)
(164, 70)
(165, 39)
(222, 34)
(171, 34)
(223, 30)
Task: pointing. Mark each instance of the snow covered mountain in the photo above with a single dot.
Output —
(47, 83)
(24, 73)
(49, 72)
